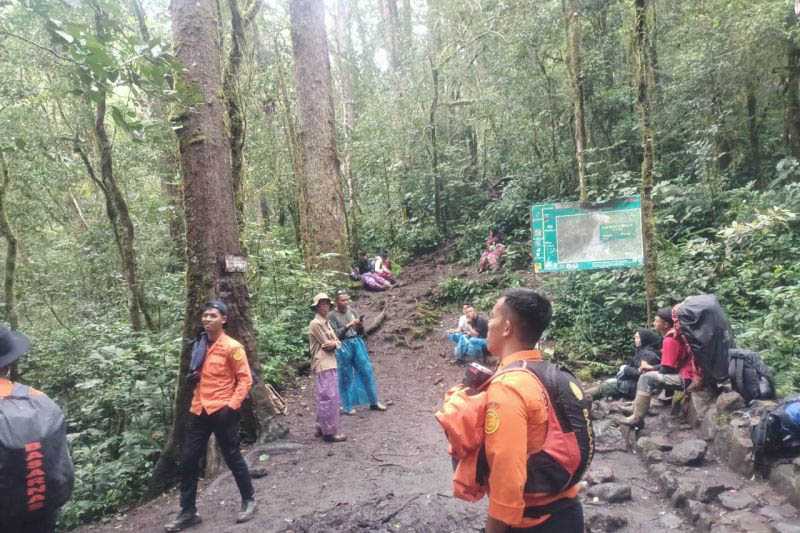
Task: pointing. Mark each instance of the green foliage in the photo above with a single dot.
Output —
(116, 389)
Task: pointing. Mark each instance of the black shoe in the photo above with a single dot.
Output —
(184, 520)
(334, 438)
(248, 511)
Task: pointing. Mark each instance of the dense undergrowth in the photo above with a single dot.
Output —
(740, 243)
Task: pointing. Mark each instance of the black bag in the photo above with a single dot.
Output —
(35, 467)
(750, 377)
(778, 433)
(706, 328)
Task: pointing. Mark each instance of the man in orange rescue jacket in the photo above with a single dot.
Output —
(223, 381)
(516, 421)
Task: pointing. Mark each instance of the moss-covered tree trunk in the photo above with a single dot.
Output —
(9, 291)
(212, 230)
(240, 22)
(345, 58)
(791, 91)
(323, 223)
(642, 48)
(573, 19)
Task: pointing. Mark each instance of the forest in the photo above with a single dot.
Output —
(152, 148)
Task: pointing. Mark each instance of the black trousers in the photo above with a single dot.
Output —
(568, 520)
(43, 521)
(224, 424)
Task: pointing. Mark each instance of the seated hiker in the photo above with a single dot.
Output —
(323, 343)
(676, 372)
(492, 256)
(463, 322)
(382, 266)
(470, 341)
(355, 375)
(646, 358)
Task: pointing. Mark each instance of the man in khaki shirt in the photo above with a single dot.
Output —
(323, 343)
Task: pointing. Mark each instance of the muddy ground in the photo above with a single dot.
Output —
(393, 473)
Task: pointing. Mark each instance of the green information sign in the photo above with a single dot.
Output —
(568, 237)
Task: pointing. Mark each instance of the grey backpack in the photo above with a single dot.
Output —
(35, 467)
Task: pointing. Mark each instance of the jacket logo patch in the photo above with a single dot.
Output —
(492, 423)
(238, 355)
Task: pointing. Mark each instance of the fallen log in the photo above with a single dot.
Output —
(373, 326)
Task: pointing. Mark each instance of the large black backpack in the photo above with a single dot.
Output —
(749, 376)
(706, 328)
(778, 432)
(35, 467)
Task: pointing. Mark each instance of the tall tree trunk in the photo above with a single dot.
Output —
(169, 174)
(120, 218)
(791, 92)
(236, 119)
(9, 294)
(391, 32)
(438, 185)
(295, 151)
(345, 59)
(576, 77)
(322, 215)
(211, 222)
(754, 163)
(407, 22)
(642, 49)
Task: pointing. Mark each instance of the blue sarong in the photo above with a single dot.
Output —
(467, 347)
(356, 379)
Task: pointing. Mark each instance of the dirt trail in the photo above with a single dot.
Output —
(393, 473)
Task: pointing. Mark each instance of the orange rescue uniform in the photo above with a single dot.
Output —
(225, 378)
(516, 427)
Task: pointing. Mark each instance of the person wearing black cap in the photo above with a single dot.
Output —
(663, 321)
(41, 510)
(221, 373)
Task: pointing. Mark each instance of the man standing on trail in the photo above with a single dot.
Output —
(222, 375)
(356, 378)
(323, 343)
(517, 423)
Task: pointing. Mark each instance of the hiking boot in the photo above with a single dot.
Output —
(641, 404)
(184, 520)
(377, 407)
(334, 438)
(248, 511)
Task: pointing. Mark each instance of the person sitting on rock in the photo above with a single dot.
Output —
(470, 338)
(677, 370)
(646, 358)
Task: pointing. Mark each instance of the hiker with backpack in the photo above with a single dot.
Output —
(646, 358)
(676, 372)
(220, 374)
(36, 471)
(520, 422)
